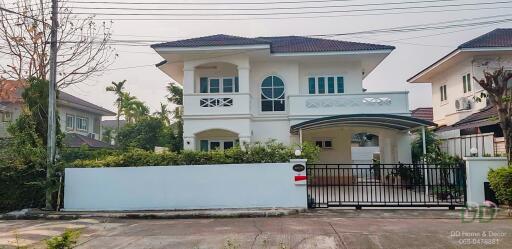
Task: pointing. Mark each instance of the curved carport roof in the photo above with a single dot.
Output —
(390, 121)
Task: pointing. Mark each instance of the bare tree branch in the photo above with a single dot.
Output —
(83, 49)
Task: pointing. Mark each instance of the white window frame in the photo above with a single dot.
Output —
(72, 122)
(220, 141)
(6, 117)
(221, 83)
(468, 84)
(444, 94)
(326, 84)
(86, 124)
(323, 141)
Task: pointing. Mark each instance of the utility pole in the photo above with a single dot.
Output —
(52, 106)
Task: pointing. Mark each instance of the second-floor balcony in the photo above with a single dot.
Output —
(197, 104)
(216, 104)
(356, 103)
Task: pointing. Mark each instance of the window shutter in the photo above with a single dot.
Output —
(468, 80)
(203, 145)
(312, 87)
(237, 86)
(464, 83)
(341, 85)
(203, 85)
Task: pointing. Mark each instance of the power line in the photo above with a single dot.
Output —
(266, 8)
(292, 13)
(210, 3)
(2, 9)
(300, 17)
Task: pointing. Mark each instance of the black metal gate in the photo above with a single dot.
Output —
(386, 185)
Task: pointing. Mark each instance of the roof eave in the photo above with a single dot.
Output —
(351, 52)
(417, 77)
(210, 48)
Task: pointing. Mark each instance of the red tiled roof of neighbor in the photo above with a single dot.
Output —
(10, 91)
(425, 113)
(495, 38)
(278, 44)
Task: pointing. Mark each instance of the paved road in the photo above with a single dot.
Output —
(320, 229)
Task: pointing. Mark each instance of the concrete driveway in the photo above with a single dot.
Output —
(317, 229)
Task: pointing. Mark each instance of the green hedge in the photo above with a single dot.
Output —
(270, 152)
(501, 182)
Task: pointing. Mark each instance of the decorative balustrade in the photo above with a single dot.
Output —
(336, 104)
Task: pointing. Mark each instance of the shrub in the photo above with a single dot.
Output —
(67, 240)
(501, 182)
(270, 152)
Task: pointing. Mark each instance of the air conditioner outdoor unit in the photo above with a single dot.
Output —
(462, 104)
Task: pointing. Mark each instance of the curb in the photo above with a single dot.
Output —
(194, 214)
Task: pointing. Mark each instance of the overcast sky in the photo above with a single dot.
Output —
(414, 50)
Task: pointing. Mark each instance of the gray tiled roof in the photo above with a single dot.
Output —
(278, 44)
(78, 101)
(495, 38)
(74, 140)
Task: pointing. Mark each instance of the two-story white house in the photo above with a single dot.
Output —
(454, 91)
(80, 119)
(291, 89)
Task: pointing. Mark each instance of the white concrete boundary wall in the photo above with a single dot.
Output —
(183, 187)
(476, 174)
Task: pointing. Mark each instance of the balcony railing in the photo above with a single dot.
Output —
(337, 104)
(216, 104)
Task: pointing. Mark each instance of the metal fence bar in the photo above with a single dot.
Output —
(386, 185)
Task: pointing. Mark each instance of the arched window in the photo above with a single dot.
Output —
(272, 94)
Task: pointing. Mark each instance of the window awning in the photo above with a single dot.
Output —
(389, 121)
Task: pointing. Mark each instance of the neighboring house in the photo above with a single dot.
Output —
(112, 126)
(454, 90)
(425, 113)
(76, 115)
(291, 89)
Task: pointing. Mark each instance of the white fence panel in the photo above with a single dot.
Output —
(461, 146)
(183, 187)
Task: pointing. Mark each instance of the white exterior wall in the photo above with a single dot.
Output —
(184, 187)
(250, 124)
(476, 174)
(64, 110)
(445, 112)
(395, 146)
(16, 109)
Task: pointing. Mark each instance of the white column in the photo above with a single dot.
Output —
(188, 80)
(189, 143)
(243, 78)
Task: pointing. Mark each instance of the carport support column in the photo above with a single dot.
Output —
(424, 159)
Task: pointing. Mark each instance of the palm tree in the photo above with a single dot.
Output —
(163, 114)
(133, 108)
(118, 90)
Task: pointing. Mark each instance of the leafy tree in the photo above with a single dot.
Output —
(118, 89)
(499, 92)
(163, 114)
(107, 135)
(146, 134)
(35, 99)
(432, 145)
(175, 97)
